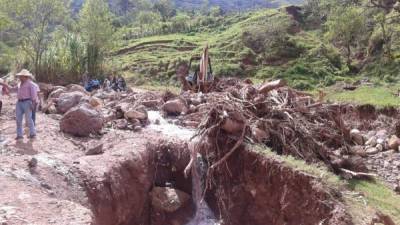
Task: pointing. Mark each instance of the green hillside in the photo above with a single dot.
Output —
(266, 44)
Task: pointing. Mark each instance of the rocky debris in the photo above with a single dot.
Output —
(372, 141)
(56, 93)
(96, 150)
(95, 102)
(394, 142)
(82, 121)
(175, 107)
(77, 88)
(138, 114)
(68, 100)
(49, 108)
(121, 124)
(357, 137)
(32, 163)
(387, 165)
(168, 199)
(372, 150)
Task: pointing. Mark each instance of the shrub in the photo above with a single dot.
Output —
(228, 70)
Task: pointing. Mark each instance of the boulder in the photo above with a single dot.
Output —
(394, 142)
(68, 100)
(136, 115)
(56, 93)
(46, 89)
(122, 107)
(382, 134)
(175, 107)
(49, 107)
(358, 150)
(96, 150)
(168, 199)
(121, 124)
(371, 141)
(95, 102)
(372, 150)
(380, 147)
(82, 121)
(357, 137)
(76, 87)
(370, 134)
(151, 103)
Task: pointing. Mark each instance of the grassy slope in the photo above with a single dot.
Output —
(152, 63)
(361, 197)
(379, 96)
(156, 62)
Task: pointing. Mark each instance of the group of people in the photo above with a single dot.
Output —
(27, 101)
(114, 83)
(109, 83)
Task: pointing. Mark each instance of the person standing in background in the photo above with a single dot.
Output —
(3, 91)
(27, 95)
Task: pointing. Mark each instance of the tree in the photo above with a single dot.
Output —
(180, 22)
(215, 11)
(147, 18)
(96, 26)
(165, 8)
(32, 22)
(346, 26)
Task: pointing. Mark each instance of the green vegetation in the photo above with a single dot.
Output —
(325, 42)
(318, 171)
(378, 96)
(379, 196)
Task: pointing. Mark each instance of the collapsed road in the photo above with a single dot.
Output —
(159, 158)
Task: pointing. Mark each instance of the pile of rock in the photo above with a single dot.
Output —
(85, 113)
(373, 142)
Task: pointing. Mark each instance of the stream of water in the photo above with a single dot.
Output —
(204, 215)
(160, 124)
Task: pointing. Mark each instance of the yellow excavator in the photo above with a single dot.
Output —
(200, 78)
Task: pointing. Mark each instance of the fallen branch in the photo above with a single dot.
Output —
(359, 175)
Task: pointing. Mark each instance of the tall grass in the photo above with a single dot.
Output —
(64, 60)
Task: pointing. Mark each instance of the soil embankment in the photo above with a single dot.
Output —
(51, 181)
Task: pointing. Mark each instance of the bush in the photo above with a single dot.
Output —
(302, 85)
(228, 70)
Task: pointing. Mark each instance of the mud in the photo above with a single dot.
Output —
(65, 186)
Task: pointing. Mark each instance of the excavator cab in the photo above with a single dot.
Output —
(194, 70)
(199, 78)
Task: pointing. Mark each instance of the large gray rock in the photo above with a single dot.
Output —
(56, 93)
(176, 106)
(68, 100)
(76, 87)
(168, 199)
(82, 121)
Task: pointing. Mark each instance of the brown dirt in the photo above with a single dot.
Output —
(68, 187)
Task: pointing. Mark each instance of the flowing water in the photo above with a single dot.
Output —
(204, 215)
(158, 123)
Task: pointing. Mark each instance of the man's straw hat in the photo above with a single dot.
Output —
(25, 73)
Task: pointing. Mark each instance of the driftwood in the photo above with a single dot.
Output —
(269, 86)
(289, 122)
(359, 175)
